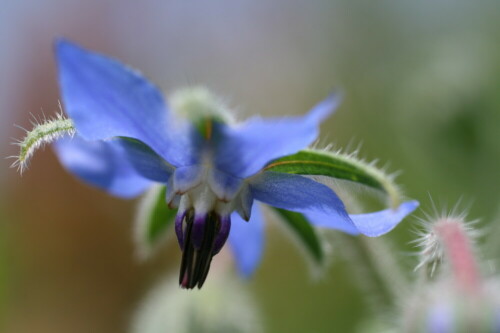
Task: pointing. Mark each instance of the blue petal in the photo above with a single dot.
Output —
(101, 164)
(303, 195)
(247, 241)
(370, 224)
(145, 161)
(224, 186)
(323, 220)
(185, 178)
(379, 223)
(106, 99)
(243, 151)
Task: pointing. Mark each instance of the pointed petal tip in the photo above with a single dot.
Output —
(62, 46)
(327, 106)
(60, 42)
(245, 273)
(68, 52)
(335, 97)
(379, 223)
(246, 241)
(409, 206)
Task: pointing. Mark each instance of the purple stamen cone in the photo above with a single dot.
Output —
(178, 228)
(220, 240)
(202, 237)
(198, 233)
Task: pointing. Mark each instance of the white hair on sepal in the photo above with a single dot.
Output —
(45, 130)
(197, 103)
(329, 146)
(234, 112)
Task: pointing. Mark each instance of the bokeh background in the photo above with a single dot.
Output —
(421, 82)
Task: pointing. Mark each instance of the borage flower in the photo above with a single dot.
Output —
(128, 138)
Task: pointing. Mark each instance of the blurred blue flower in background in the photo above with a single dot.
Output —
(128, 138)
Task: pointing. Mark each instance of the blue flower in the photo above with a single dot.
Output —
(128, 138)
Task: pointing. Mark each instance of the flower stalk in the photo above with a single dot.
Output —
(376, 269)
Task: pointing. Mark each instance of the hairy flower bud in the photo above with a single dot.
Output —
(460, 299)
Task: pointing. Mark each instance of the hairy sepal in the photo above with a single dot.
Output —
(43, 132)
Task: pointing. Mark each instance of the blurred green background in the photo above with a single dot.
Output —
(422, 92)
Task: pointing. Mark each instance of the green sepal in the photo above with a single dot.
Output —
(305, 232)
(154, 219)
(337, 165)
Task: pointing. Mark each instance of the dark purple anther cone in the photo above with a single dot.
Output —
(220, 240)
(179, 226)
(200, 237)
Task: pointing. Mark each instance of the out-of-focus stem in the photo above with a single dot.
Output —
(492, 245)
(376, 268)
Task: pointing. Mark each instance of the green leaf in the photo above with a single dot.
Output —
(337, 165)
(305, 233)
(153, 219)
